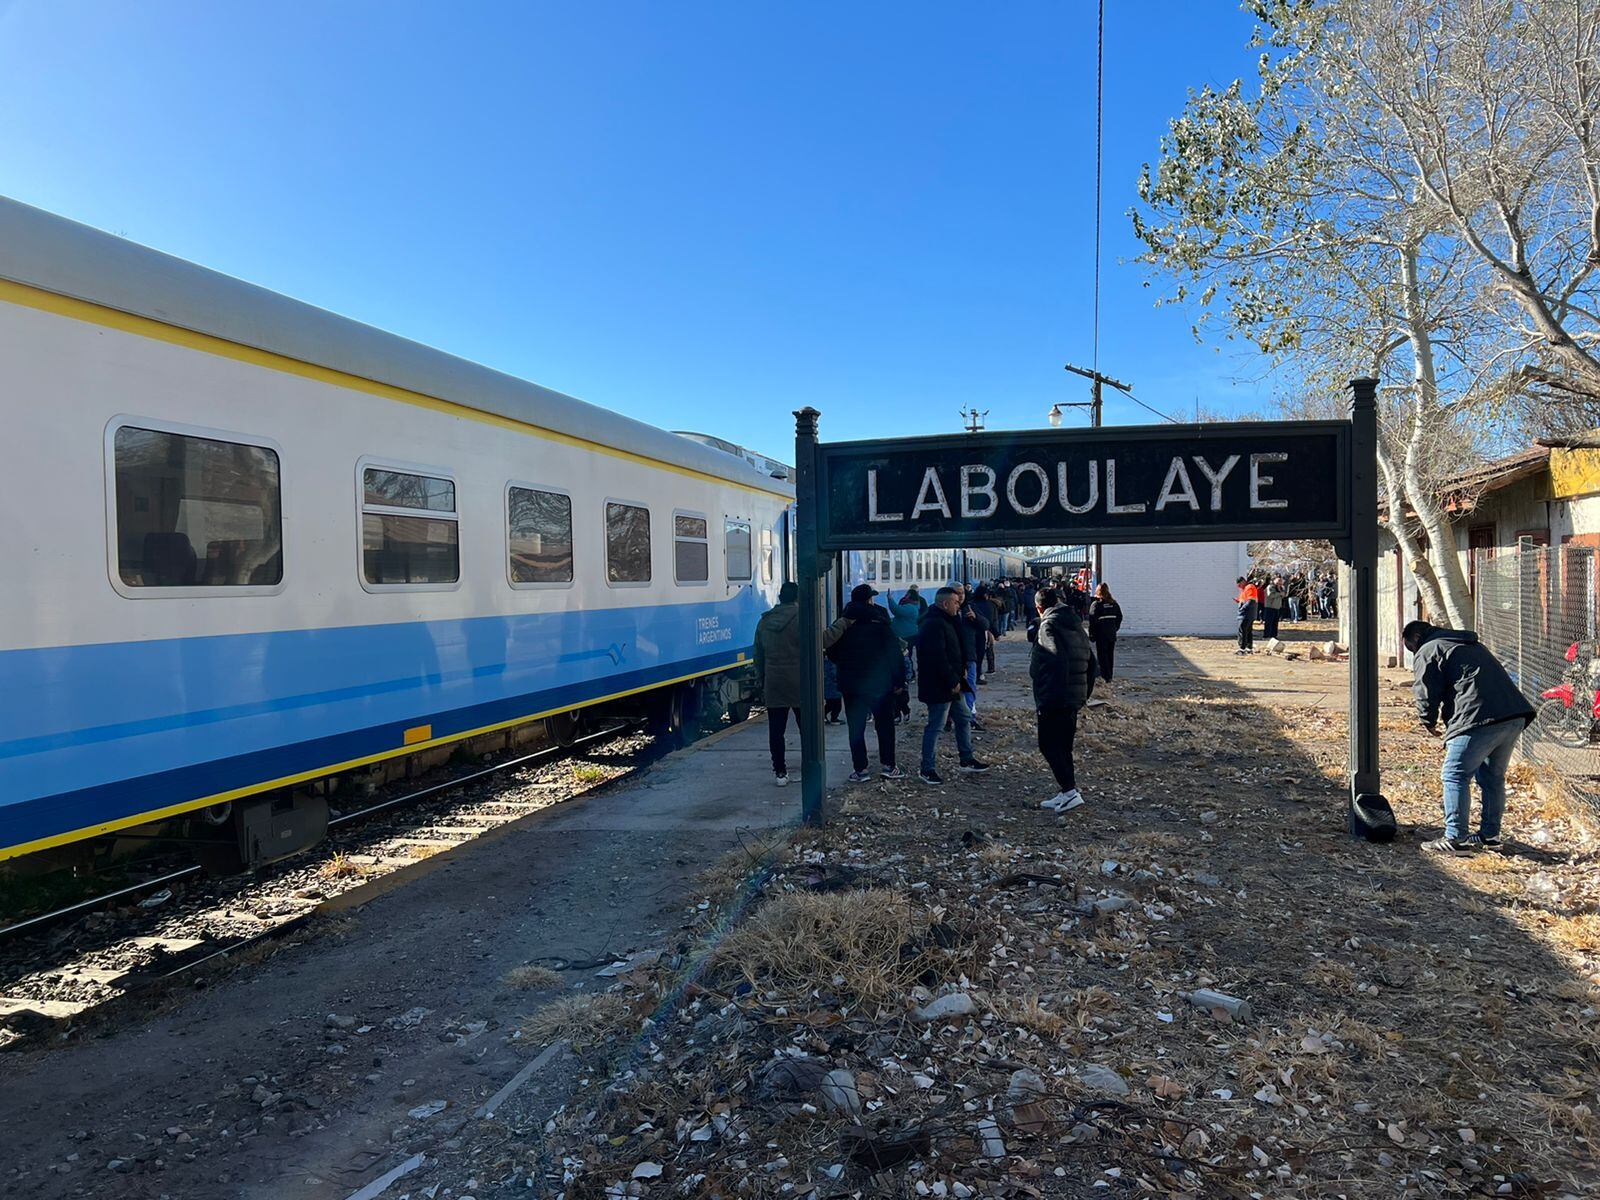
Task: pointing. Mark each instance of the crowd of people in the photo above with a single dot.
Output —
(876, 653)
(1265, 598)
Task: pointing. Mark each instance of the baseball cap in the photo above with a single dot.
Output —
(863, 591)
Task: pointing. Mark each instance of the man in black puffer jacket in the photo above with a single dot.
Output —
(941, 677)
(872, 671)
(1063, 670)
(1484, 713)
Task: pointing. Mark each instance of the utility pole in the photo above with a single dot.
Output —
(1096, 408)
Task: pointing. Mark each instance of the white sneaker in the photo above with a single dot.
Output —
(782, 779)
(1055, 802)
(1064, 801)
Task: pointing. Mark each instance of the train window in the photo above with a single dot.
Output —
(769, 556)
(899, 565)
(195, 511)
(410, 531)
(627, 544)
(869, 566)
(737, 535)
(691, 548)
(538, 536)
(883, 567)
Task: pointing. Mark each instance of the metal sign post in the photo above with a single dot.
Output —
(808, 574)
(1233, 481)
(1360, 551)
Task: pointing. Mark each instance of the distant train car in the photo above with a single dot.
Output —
(254, 545)
(896, 570)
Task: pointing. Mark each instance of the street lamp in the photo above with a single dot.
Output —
(1055, 416)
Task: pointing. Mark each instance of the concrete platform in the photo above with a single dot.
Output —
(601, 875)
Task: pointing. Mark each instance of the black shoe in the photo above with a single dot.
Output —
(1493, 845)
(930, 777)
(1450, 845)
(974, 766)
(978, 726)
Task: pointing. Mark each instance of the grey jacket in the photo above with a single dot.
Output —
(1459, 680)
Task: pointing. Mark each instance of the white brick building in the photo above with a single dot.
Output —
(1177, 587)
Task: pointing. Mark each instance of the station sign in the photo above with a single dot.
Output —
(1220, 482)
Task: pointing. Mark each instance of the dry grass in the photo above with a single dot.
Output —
(589, 773)
(582, 1021)
(730, 873)
(1029, 1014)
(847, 943)
(532, 979)
(1580, 933)
(339, 867)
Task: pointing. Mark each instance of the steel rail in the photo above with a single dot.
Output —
(548, 754)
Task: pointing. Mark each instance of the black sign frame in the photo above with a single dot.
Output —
(985, 446)
(1353, 531)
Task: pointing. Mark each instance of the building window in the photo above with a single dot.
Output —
(194, 511)
(737, 535)
(627, 544)
(410, 533)
(691, 548)
(538, 536)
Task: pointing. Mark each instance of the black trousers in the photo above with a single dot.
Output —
(1247, 631)
(857, 709)
(1058, 729)
(1269, 621)
(1105, 650)
(777, 726)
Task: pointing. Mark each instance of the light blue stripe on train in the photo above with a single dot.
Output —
(87, 716)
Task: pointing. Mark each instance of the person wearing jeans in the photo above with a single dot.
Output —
(1481, 755)
(1458, 680)
(941, 677)
(937, 713)
(872, 673)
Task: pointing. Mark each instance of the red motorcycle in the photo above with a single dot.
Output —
(1561, 716)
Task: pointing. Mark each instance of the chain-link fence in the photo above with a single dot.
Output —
(1536, 610)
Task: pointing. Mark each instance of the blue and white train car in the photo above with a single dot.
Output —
(251, 544)
(896, 570)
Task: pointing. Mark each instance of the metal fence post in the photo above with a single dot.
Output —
(813, 759)
(1363, 549)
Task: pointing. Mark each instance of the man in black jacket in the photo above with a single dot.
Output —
(872, 672)
(1484, 713)
(1063, 670)
(941, 676)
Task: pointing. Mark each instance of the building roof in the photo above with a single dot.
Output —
(1062, 556)
(1463, 493)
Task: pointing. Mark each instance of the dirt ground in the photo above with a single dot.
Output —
(950, 992)
(946, 991)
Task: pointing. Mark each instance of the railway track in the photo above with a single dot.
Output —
(56, 967)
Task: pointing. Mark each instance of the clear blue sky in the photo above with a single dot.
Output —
(704, 215)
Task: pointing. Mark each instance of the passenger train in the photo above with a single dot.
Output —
(896, 570)
(253, 545)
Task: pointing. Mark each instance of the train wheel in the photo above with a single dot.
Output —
(564, 729)
(666, 716)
